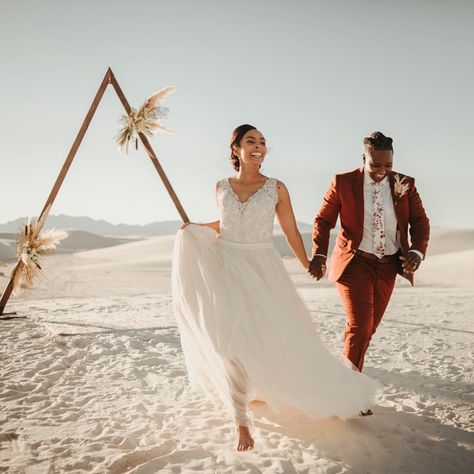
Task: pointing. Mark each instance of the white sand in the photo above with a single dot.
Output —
(93, 379)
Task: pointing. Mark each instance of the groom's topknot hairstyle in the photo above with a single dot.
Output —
(237, 135)
(378, 141)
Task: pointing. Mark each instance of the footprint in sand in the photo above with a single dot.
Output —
(126, 462)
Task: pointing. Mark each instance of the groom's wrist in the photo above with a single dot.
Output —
(417, 252)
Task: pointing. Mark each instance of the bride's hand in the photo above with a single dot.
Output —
(317, 267)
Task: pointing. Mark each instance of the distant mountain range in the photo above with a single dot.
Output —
(104, 228)
(98, 227)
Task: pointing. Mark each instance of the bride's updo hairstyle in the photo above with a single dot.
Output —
(378, 141)
(237, 135)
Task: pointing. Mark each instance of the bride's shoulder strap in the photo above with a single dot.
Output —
(274, 183)
(271, 187)
(220, 184)
(278, 185)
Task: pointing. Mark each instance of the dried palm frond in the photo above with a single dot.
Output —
(31, 246)
(152, 101)
(400, 187)
(144, 120)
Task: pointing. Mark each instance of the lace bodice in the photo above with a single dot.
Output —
(249, 221)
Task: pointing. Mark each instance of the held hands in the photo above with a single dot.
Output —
(317, 267)
(411, 263)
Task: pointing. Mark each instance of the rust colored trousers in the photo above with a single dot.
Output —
(365, 288)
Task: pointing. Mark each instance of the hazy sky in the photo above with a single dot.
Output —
(315, 77)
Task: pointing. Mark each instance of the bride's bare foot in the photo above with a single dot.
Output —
(246, 441)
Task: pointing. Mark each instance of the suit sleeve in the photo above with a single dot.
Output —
(419, 222)
(326, 219)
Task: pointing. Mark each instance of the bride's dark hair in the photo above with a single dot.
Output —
(378, 141)
(237, 135)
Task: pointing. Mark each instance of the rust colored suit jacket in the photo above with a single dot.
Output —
(345, 198)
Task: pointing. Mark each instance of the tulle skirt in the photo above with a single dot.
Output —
(246, 333)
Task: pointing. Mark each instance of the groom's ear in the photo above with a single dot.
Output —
(363, 158)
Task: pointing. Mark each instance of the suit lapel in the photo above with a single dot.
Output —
(395, 198)
(391, 180)
(358, 187)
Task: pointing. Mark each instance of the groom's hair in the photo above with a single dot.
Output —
(378, 141)
(237, 135)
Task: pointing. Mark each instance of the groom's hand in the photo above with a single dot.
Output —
(411, 263)
(317, 267)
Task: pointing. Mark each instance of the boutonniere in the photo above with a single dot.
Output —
(400, 187)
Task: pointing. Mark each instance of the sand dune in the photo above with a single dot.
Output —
(152, 249)
(450, 240)
(448, 269)
(93, 378)
(77, 240)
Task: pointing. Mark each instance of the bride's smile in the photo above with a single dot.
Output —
(252, 149)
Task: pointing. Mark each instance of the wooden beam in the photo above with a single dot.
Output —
(151, 153)
(109, 78)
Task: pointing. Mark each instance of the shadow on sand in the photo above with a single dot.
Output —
(390, 441)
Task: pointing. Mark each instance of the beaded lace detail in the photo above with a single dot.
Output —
(249, 221)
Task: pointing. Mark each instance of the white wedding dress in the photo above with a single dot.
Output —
(245, 332)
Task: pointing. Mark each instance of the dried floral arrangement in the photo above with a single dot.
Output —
(31, 246)
(145, 120)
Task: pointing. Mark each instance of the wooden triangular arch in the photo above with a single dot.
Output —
(109, 78)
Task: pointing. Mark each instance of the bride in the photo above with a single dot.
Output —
(245, 332)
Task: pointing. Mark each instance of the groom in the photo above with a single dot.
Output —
(377, 207)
